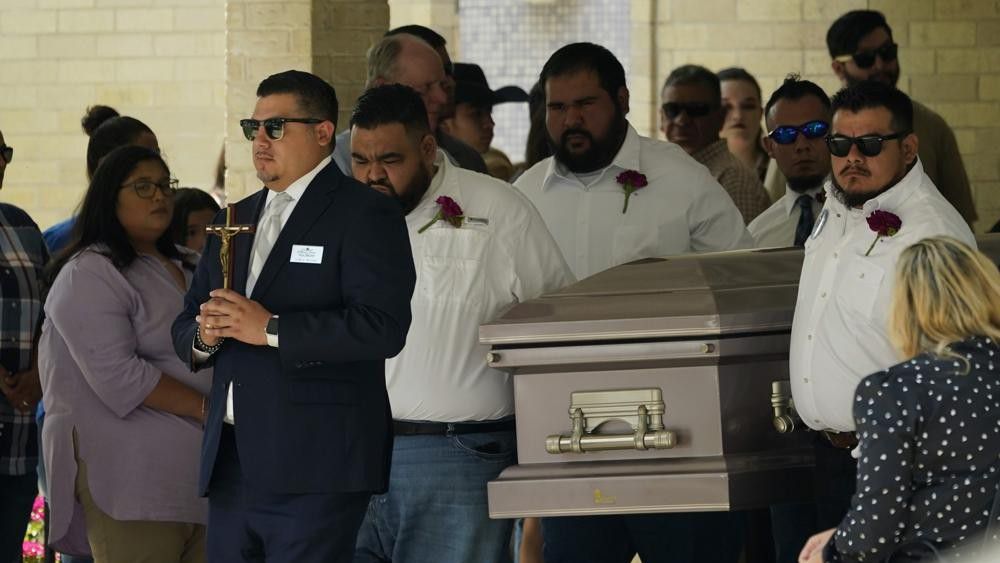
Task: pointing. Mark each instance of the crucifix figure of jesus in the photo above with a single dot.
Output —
(226, 233)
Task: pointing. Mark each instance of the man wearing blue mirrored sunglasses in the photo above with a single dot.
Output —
(798, 120)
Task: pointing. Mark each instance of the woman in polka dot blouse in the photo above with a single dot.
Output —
(929, 427)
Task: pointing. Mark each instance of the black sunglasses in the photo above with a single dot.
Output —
(7, 152)
(695, 109)
(786, 134)
(274, 127)
(865, 59)
(869, 145)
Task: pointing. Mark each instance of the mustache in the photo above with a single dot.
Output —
(856, 169)
(564, 138)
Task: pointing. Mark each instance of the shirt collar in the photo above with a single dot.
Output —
(626, 159)
(298, 187)
(443, 167)
(892, 199)
(791, 196)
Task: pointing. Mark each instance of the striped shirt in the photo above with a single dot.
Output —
(22, 256)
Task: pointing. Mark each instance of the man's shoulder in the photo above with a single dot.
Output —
(774, 215)
(492, 194)
(925, 118)
(532, 179)
(14, 216)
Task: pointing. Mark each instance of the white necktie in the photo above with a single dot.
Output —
(268, 230)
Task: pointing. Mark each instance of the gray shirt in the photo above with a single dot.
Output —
(105, 342)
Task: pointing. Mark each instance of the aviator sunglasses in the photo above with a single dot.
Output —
(786, 134)
(274, 127)
(674, 109)
(869, 145)
(865, 59)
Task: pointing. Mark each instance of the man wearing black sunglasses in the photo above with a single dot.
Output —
(839, 332)
(692, 116)
(297, 435)
(861, 47)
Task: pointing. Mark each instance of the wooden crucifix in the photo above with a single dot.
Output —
(226, 233)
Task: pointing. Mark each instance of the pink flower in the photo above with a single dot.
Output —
(32, 549)
(884, 224)
(448, 210)
(631, 180)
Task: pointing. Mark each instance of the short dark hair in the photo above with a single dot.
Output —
(794, 88)
(391, 103)
(874, 94)
(737, 73)
(97, 222)
(317, 98)
(695, 74)
(844, 34)
(433, 38)
(112, 133)
(577, 57)
(186, 202)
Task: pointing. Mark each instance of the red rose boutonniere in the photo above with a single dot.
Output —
(448, 210)
(884, 224)
(631, 180)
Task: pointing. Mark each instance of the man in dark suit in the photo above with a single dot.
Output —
(298, 432)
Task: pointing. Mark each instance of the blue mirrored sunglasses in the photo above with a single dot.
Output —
(786, 134)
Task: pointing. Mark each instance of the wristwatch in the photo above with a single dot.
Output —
(271, 331)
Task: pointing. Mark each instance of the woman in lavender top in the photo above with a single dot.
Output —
(123, 422)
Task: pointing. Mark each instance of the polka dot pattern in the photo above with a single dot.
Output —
(929, 465)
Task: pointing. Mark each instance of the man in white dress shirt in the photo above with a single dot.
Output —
(452, 414)
(839, 332)
(683, 209)
(798, 119)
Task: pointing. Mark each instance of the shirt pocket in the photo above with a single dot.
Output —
(860, 288)
(451, 268)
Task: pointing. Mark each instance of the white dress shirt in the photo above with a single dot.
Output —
(295, 189)
(840, 333)
(683, 209)
(775, 227)
(501, 255)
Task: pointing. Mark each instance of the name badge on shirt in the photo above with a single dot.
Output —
(302, 254)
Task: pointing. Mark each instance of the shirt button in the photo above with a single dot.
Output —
(809, 337)
(805, 380)
(823, 294)
(816, 420)
(834, 254)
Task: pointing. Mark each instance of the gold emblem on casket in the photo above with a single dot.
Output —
(599, 498)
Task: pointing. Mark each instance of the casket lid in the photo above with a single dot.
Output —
(680, 296)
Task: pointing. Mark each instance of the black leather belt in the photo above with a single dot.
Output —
(406, 428)
(841, 440)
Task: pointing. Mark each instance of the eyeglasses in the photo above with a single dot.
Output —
(865, 59)
(869, 145)
(673, 109)
(274, 127)
(147, 188)
(786, 134)
(7, 152)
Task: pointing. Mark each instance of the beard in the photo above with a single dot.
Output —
(888, 77)
(802, 184)
(414, 191)
(852, 199)
(601, 151)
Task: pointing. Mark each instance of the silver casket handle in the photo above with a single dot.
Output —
(785, 418)
(641, 408)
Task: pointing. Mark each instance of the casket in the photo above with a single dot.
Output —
(657, 386)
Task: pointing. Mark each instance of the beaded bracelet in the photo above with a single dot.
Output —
(200, 345)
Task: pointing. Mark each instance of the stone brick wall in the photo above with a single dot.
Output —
(949, 57)
(161, 61)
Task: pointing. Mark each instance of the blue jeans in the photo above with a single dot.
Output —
(436, 507)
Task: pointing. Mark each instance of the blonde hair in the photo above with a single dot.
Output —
(945, 292)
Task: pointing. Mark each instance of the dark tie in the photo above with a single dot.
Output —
(806, 220)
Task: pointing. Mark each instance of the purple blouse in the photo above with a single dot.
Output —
(105, 342)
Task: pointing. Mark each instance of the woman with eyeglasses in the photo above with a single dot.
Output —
(929, 439)
(742, 129)
(123, 425)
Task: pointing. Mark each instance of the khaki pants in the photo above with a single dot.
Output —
(136, 541)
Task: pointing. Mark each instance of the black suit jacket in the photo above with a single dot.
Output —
(312, 416)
